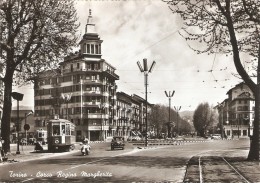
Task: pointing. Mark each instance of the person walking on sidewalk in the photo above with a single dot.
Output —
(1, 149)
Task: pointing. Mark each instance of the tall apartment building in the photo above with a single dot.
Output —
(82, 90)
(236, 113)
(131, 114)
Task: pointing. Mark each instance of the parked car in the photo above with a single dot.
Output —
(216, 136)
(32, 141)
(23, 141)
(117, 142)
(134, 138)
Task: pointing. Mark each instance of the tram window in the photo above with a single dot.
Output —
(63, 129)
(56, 129)
(67, 129)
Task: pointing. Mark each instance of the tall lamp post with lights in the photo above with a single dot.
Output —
(146, 71)
(19, 97)
(169, 95)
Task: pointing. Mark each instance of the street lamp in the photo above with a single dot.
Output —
(27, 126)
(102, 107)
(19, 97)
(169, 95)
(145, 70)
(177, 109)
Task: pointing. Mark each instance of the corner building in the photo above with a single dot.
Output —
(236, 113)
(82, 90)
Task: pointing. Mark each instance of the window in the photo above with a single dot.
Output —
(92, 49)
(56, 129)
(88, 48)
(67, 78)
(71, 67)
(47, 81)
(85, 122)
(63, 129)
(96, 49)
(67, 132)
(84, 48)
(78, 65)
(244, 132)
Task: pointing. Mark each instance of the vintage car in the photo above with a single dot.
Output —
(117, 142)
(23, 141)
(216, 136)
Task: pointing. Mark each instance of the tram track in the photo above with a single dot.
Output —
(206, 168)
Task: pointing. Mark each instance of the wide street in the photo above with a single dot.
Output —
(162, 163)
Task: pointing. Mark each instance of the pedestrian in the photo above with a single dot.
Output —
(1, 149)
(85, 140)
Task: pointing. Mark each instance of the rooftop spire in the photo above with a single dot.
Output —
(90, 26)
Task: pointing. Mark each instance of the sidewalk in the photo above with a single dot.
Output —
(28, 153)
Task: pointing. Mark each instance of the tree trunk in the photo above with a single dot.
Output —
(255, 142)
(6, 118)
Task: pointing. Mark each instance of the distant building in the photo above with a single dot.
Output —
(236, 113)
(131, 115)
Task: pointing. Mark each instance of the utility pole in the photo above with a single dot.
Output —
(145, 70)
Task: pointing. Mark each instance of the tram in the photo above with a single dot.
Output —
(61, 135)
(41, 136)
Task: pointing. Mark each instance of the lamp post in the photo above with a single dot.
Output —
(19, 97)
(177, 109)
(238, 123)
(145, 70)
(102, 107)
(169, 95)
(27, 126)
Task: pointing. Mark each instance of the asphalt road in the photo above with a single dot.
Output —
(166, 163)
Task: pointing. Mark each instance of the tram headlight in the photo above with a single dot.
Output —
(57, 141)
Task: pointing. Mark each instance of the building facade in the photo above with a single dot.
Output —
(83, 90)
(236, 113)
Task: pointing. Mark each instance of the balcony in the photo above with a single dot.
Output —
(115, 76)
(92, 93)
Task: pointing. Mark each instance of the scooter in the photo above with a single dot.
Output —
(85, 149)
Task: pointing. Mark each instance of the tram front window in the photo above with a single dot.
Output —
(63, 129)
(56, 129)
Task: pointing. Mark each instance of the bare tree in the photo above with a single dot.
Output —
(229, 27)
(35, 36)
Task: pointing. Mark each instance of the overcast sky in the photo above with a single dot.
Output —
(133, 30)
